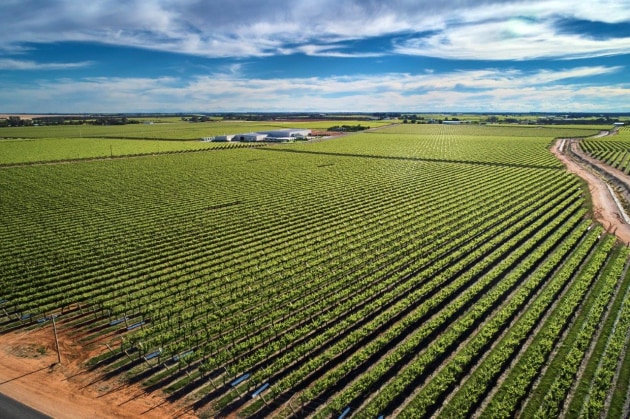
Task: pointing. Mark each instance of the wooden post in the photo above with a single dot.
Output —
(56, 340)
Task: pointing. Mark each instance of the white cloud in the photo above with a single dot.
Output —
(327, 51)
(515, 39)
(479, 90)
(496, 29)
(11, 64)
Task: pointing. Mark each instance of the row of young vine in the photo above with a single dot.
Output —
(377, 274)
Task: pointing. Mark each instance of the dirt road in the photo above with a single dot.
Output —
(605, 209)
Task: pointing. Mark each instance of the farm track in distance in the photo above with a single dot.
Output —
(407, 271)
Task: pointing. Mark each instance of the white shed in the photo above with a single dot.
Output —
(223, 138)
(288, 133)
(251, 137)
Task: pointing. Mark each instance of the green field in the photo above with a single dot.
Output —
(168, 130)
(613, 149)
(61, 149)
(20, 145)
(412, 271)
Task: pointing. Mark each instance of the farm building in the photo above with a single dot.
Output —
(223, 138)
(618, 124)
(251, 137)
(287, 133)
(273, 135)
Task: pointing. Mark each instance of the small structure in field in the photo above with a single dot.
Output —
(278, 135)
(223, 138)
(250, 137)
(286, 134)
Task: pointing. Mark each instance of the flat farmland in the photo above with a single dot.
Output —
(613, 150)
(411, 271)
(40, 144)
(42, 150)
(173, 130)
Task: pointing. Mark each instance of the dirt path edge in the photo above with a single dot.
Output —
(605, 208)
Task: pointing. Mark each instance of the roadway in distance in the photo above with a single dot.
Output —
(12, 409)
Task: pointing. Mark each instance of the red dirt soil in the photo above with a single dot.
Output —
(30, 374)
(326, 133)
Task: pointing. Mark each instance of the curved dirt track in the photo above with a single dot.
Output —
(605, 209)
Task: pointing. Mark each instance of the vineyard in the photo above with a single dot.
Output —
(412, 271)
(43, 144)
(46, 150)
(613, 150)
(171, 130)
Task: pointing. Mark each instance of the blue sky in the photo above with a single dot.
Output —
(314, 55)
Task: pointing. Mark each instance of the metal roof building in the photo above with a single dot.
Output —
(287, 133)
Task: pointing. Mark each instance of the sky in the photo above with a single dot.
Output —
(110, 56)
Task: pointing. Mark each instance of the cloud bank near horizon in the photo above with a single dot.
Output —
(514, 90)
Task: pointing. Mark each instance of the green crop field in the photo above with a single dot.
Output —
(20, 145)
(169, 130)
(613, 149)
(412, 271)
(60, 149)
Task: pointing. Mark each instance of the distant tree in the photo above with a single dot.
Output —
(15, 121)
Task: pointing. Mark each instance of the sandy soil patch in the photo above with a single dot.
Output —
(29, 373)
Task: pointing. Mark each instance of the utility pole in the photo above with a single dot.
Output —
(56, 340)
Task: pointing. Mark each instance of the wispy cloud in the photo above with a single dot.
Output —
(515, 39)
(11, 64)
(328, 51)
(489, 30)
(480, 90)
